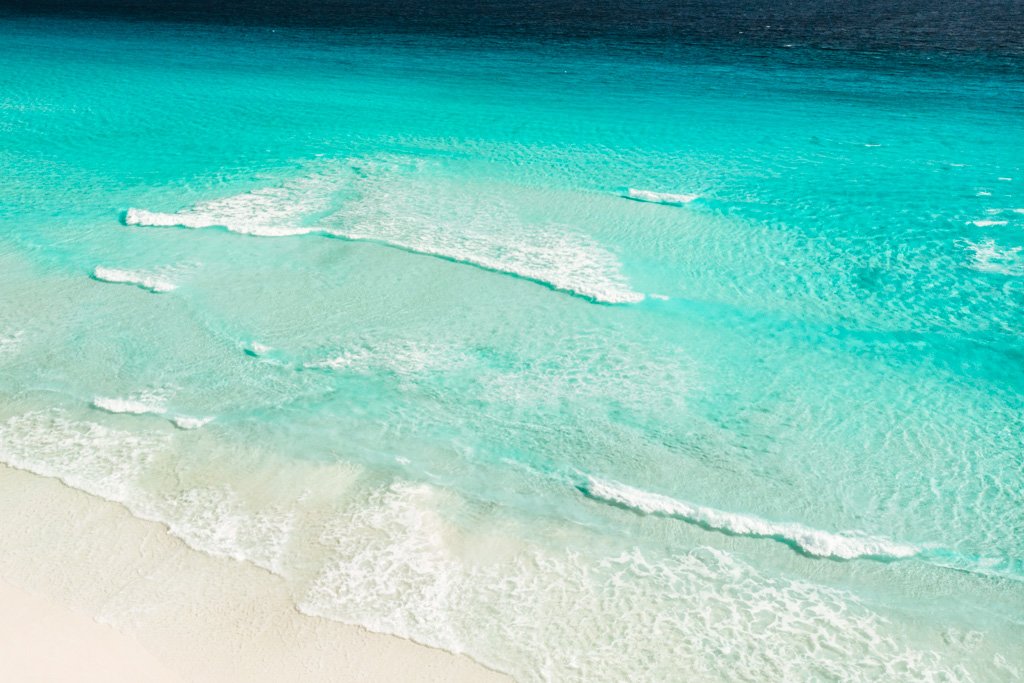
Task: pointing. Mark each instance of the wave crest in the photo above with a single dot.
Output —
(128, 405)
(803, 539)
(386, 207)
(660, 197)
(149, 281)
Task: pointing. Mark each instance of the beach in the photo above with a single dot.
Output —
(91, 593)
(466, 341)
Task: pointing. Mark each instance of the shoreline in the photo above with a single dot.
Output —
(119, 596)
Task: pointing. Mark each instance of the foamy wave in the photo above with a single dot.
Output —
(474, 234)
(153, 219)
(387, 558)
(988, 257)
(127, 405)
(150, 281)
(560, 262)
(183, 422)
(118, 465)
(661, 197)
(279, 211)
(483, 226)
(807, 540)
(985, 223)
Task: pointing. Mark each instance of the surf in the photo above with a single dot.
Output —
(803, 539)
(666, 198)
(148, 281)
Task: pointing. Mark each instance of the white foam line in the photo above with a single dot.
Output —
(197, 220)
(149, 281)
(986, 223)
(810, 541)
(609, 289)
(130, 406)
(185, 422)
(661, 197)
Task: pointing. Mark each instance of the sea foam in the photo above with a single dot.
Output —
(391, 213)
(184, 422)
(277, 211)
(989, 257)
(385, 557)
(562, 262)
(804, 539)
(661, 197)
(484, 225)
(127, 405)
(152, 282)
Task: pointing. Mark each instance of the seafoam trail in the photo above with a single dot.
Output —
(804, 539)
(149, 281)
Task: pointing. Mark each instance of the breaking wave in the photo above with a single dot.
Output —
(660, 197)
(127, 405)
(458, 226)
(278, 211)
(184, 422)
(804, 539)
(562, 263)
(149, 281)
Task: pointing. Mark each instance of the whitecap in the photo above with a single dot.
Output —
(845, 546)
(661, 197)
(149, 281)
(986, 223)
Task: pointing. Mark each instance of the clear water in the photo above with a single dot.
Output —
(392, 314)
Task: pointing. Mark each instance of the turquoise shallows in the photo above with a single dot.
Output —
(590, 363)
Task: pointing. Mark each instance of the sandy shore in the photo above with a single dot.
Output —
(90, 593)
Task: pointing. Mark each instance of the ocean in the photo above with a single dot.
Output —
(597, 341)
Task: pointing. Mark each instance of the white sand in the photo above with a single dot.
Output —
(90, 593)
(41, 640)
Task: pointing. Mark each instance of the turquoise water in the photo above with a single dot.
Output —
(587, 360)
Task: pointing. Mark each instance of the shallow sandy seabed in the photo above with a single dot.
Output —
(92, 593)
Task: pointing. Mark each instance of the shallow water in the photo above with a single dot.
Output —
(592, 356)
